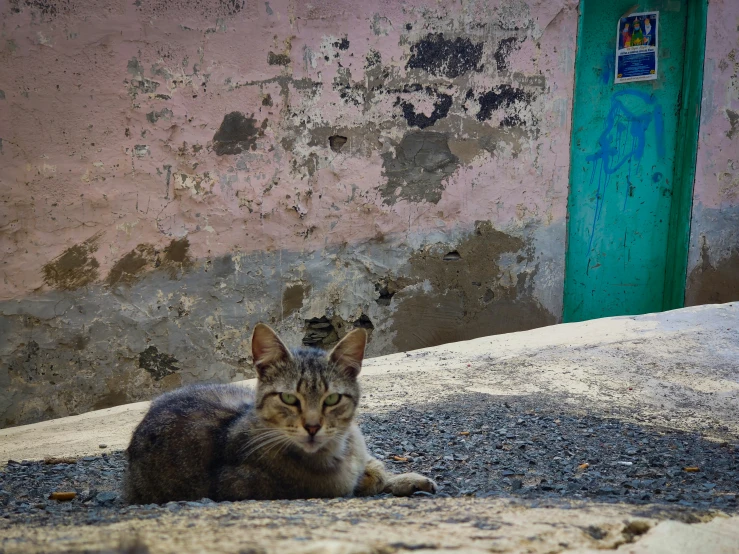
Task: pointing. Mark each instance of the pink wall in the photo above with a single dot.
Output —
(144, 230)
(713, 269)
(81, 158)
(168, 180)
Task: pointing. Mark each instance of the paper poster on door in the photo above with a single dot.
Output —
(636, 47)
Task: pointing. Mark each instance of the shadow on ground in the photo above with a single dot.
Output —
(523, 447)
(533, 448)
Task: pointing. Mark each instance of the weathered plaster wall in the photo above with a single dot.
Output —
(713, 264)
(174, 172)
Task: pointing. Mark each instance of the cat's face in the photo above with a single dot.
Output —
(306, 398)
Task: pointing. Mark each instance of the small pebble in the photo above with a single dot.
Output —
(62, 496)
(636, 527)
(106, 497)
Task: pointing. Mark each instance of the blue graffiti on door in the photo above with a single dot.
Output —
(623, 141)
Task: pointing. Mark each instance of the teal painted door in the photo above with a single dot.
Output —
(622, 169)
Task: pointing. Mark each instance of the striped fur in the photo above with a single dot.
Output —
(228, 442)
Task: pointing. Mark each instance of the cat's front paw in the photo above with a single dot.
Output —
(408, 483)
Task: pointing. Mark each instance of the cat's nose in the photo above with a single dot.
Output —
(312, 429)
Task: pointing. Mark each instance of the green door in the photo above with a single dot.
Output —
(629, 203)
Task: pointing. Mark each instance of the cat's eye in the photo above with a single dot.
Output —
(289, 399)
(332, 399)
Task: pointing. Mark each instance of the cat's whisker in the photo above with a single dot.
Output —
(280, 441)
(253, 446)
(259, 436)
(264, 444)
(271, 445)
(257, 427)
(249, 449)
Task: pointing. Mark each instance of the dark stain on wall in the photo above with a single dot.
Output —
(342, 44)
(75, 267)
(139, 84)
(292, 298)
(177, 251)
(372, 59)
(445, 57)
(421, 120)
(505, 47)
(222, 266)
(174, 259)
(278, 59)
(76, 342)
(415, 173)
(154, 116)
(713, 283)
(49, 8)
(221, 8)
(503, 96)
(158, 364)
(128, 268)
(237, 133)
(232, 7)
(733, 122)
(177, 256)
(26, 365)
(470, 296)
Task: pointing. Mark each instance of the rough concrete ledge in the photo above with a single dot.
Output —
(677, 370)
(386, 526)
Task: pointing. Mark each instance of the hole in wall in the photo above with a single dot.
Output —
(364, 322)
(337, 142)
(386, 292)
(452, 256)
(319, 333)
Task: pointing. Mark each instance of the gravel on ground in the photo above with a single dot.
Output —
(471, 444)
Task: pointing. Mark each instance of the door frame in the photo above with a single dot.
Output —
(688, 126)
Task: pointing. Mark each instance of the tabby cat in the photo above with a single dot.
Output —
(294, 436)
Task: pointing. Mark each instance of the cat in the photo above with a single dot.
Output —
(293, 436)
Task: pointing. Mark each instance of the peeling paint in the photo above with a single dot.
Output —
(278, 59)
(503, 96)
(417, 169)
(442, 103)
(733, 118)
(158, 364)
(236, 134)
(327, 165)
(439, 55)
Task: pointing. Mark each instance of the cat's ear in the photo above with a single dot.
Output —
(267, 349)
(349, 353)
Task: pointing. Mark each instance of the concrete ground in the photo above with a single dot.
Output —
(678, 370)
